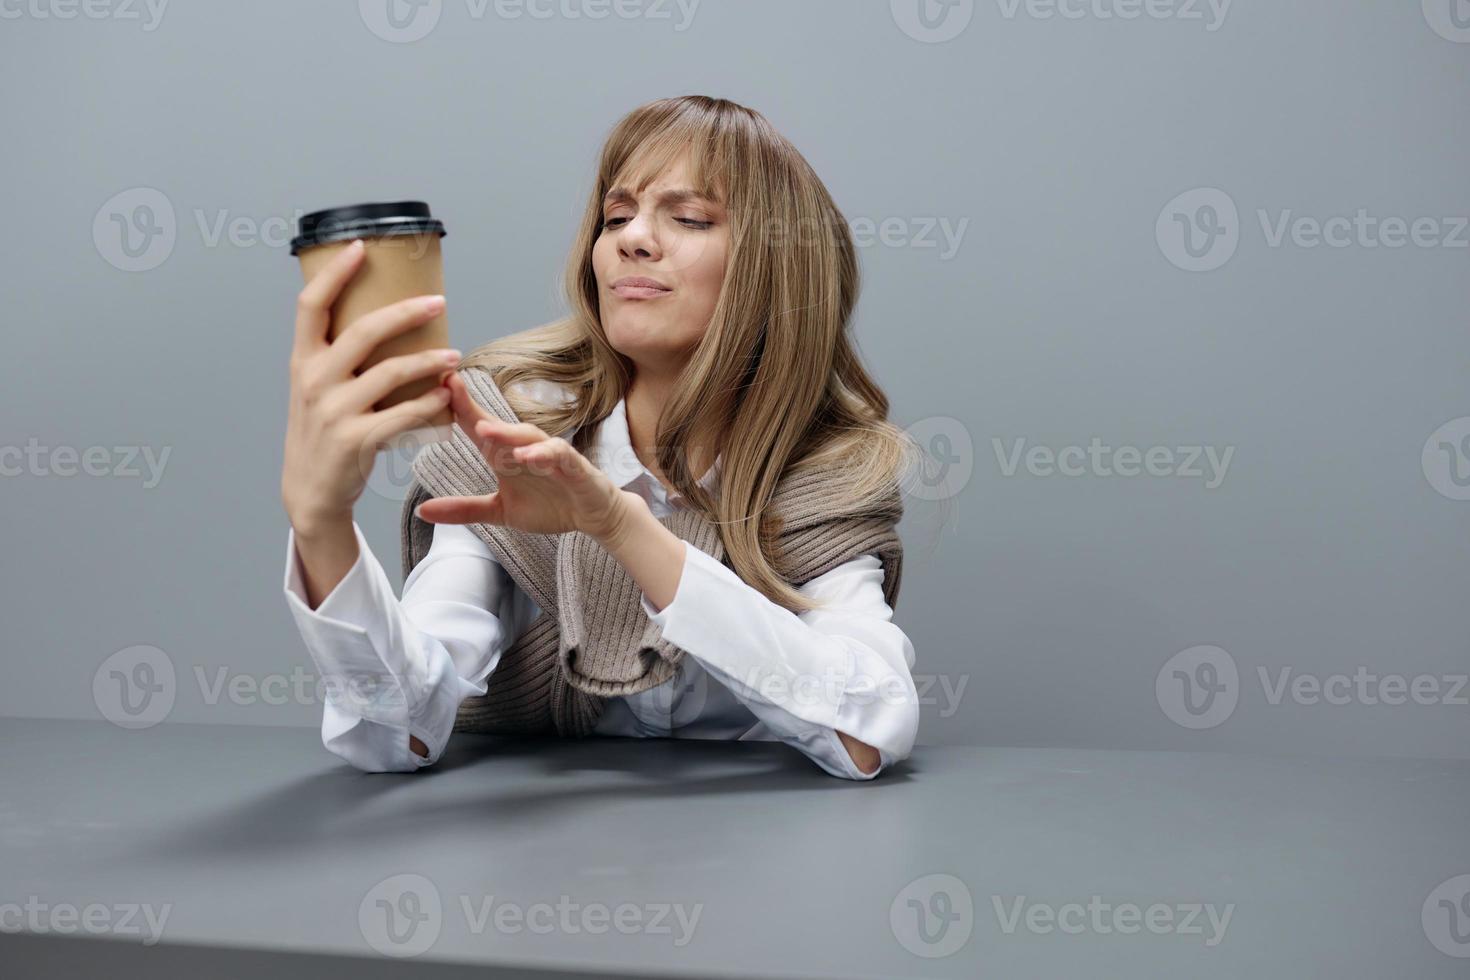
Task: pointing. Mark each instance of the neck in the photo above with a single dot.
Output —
(644, 403)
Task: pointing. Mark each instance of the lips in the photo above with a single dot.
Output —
(639, 287)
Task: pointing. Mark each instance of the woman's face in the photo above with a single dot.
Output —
(674, 238)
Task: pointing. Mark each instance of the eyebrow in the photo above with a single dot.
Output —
(677, 196)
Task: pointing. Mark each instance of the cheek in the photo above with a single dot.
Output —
(706, 275)
(602, 254)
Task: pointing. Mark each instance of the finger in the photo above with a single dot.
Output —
(358, 339)
(380, 427)
(545, 458)
(466, 410)
(462, 510)
(314, 302)
(392, 372)
(470, 415)
(497, 452)
(513, 434)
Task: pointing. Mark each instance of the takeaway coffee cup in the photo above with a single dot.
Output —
(402, 259)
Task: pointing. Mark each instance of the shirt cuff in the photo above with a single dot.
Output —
(366, 745)
(339, 635)
(432, 720)
(879, 706)
(850, 767)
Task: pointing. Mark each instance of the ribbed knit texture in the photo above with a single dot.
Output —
(592, 640)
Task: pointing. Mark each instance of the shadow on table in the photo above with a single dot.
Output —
(509, 779)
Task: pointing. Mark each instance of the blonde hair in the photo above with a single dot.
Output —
(775, 379)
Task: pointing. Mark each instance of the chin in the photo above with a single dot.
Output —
(644, 333)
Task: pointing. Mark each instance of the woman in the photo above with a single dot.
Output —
(707, 356)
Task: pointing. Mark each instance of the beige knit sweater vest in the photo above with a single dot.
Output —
(592, 639)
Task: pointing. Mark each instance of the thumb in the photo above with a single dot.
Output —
(462, 510)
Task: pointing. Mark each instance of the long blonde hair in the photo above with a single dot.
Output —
(775, 379)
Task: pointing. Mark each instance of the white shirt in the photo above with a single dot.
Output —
(752, 669)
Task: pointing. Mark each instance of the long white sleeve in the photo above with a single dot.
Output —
(844, 667)
(394, 668)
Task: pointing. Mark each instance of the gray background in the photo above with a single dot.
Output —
(1055, 600)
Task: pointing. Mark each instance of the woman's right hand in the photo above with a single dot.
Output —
(333, 433)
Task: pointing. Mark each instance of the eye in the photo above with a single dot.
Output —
(687, 222)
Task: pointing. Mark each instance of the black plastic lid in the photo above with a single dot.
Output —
(366, 221)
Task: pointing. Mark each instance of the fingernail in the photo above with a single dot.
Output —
(452, 356)
(434, 304)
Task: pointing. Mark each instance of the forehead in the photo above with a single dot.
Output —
(654, 164)
(672, 177)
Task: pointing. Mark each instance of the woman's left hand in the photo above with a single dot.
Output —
(545, 485)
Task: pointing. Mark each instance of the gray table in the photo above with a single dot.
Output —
(267, 854)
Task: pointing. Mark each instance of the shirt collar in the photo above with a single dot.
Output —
(614, 455)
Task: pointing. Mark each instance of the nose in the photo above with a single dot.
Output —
(636, 238)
